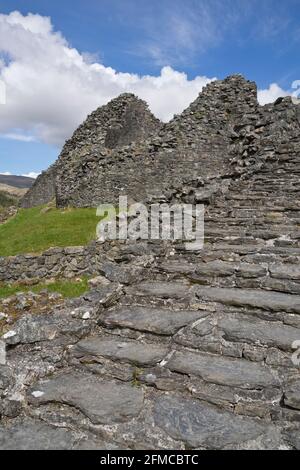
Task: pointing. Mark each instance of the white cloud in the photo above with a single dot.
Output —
(19, 137)
(31, 174)
(271, 94)
(51, 87)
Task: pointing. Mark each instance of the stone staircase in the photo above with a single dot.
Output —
(176, 349)
(191, 351)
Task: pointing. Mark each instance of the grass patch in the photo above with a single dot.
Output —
(67, 288)
(6, 200)
(37, 229)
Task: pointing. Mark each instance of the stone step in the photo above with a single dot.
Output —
(250, 248)
(160, 321)
(200, 425)
(120, 349)
(251, 330)
(102, 401)
(163, 290)
(253, 298)
(223, 370)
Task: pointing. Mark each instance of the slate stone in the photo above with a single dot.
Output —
(122, 275)
(95, 444)
(45, 327)
(249, 329)
(165, 290)
(292, 395)
(222, 370)
(160, 321)
(281, 285)
(104, 295)
(118, 349)
(201, 425)
(35, 435)
(273, 301)
(215, 268)
(177, 266)
(103, 402)
(6, 378)
(285, 271)
(293, 439)
(249, 270)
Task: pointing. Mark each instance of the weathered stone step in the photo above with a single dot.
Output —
(29, 434)
(285, 271)
(161, 321)
(251, 330)
(120, 349)
(292, 394)
(200, 425)
(253, 298)
(255, 250)
(216, 268)
(222, 370)
(164, 290)
(103, 402)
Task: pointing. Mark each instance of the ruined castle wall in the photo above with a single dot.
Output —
(42, 191)
(124, 120)
(195, 144)
(122, 149)
(55, 262)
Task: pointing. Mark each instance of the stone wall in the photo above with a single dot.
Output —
(42, 191)
(124, 120)
(122, 148)
(196, 143)
(55, 262)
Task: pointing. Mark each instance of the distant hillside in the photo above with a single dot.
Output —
(12, 190)
(7, 200)
(17, 181)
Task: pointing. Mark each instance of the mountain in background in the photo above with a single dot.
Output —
(12, 188)
(17, 181)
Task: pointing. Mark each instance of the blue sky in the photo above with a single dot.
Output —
(164, 50)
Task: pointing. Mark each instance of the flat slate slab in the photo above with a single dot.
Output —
(35, 435)
(160, 321)
(285, 271)
(216, 268)
(165, 290)
(265, 300)
(103, 402)
(248, 329)
(222, 370)
(122, 350)
(177, 266)
(292, 395)
(199, 424)
(39, 328)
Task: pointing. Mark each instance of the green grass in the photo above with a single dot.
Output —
(6, 200)
(67, 288)
(35, 230)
